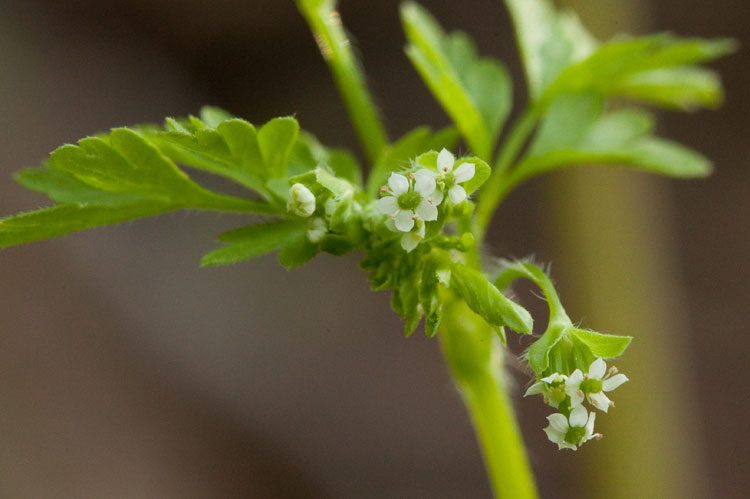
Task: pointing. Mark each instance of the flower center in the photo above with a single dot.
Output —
(591, 385)
(575, 434)
(409, 200)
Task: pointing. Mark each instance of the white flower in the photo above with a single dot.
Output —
(316, 229)
(301, 201)
(569, 433)
(410, 240)
(450, 177)
(593, 385)
(552, 389)
(411, 198)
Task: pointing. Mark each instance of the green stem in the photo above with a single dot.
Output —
(475, 362)
(335, 46)
(495, 189)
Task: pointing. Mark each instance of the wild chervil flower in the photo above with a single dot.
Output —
(593, 385)
(301, 201)
(571, 432)
(552, 389)
(408, 198)
(411, 240)
(449, 177)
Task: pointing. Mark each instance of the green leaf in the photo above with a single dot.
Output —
(63, 187)
(428, 298)
(212, 116)
(408, 147)
(297, 251)
(276, 139)
(549, 41)
(575, 132)
(252, 241)
(487, 301)
(474, 91)
(646, 68)
(684, 88)
(65, 218)
(603, 345)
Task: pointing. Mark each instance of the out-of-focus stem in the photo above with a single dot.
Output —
(475, 362)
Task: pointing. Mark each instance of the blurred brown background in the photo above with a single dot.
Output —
(127, 371)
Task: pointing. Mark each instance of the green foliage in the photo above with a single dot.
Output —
(475, 92)
(255, 240)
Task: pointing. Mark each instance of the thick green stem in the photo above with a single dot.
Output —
(335, 46)
(475, 361)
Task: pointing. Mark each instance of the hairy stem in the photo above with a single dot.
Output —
(335, 46)
(475, 362)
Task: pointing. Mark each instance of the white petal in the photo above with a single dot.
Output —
(611, 383)
(574, 380)
(445, 160)
(404, 220)
(464, 172)
(409, 241)
(590, 427)
(391, 225)
(535, 389)
(457, 194)
(398, 184)
(578, 416)
(420, 230)
(600, 401)
(597, 369)
(554, 377)
(387, 205)
(436, 197)
(557, 438)
(424, 184)
(426, 211)
(558, 422)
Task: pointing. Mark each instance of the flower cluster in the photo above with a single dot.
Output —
(411, 200)
(574, 425)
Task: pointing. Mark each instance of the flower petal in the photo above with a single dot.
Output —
(578, 416)
(457, 194)
(404, 220)
(436, 197)
(387, 205)
(391, 224)
(590, 427)
(427, 211)
(600, 401)
(597, 369)
(464, 172)
(445, 160)
(424, 183)
(611, 383)
(409, 241)
(558, 422)
(398, 184)
(420, 230)
(554, 377)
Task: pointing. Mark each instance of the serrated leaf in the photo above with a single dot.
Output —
(252, 241)
(475, 92)
(66, 218)
(408, 147)
(602, 345)
(487, 301)
(212, 116)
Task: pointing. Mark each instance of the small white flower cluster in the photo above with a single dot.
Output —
(411, 200)
(569, 432)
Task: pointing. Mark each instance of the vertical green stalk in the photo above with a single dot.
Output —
(335, 46)
(475, 362)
